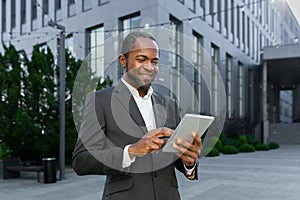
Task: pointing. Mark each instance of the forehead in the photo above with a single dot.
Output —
(145, 43)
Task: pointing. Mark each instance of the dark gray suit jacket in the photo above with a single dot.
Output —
(112, 120)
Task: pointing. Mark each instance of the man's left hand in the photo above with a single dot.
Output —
(188, 152)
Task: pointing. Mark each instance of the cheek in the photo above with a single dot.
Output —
(133, 66)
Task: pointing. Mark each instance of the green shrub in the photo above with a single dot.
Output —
(228, 149)
(5, 152)
(251, 140)
(215, 142)
(233, 142)
(246, 148)
(262, 147)
(273, 145)
(243, 139)
(214, 152)
(223, 138)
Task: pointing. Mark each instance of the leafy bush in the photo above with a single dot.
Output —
(251, 140)
(228, 149)
(246, 148)
(262, 147)
(273, 145)
(243, 139)
(233, 142)
(215, 142)
(4, 152)
(214, 152)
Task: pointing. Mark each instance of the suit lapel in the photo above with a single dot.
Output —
(159, 110)
(126, 100)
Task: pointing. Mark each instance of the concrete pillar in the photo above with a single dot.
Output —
(264, 102)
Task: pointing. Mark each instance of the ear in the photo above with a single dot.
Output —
(122, 60)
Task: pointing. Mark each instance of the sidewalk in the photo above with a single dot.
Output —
(266, 175)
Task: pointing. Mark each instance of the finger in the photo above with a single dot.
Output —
(157, 140)
(189, 147)
(150, 146)
(197, 139)
(184, 143)
(188, 161)
(164, 132)
(185, 152)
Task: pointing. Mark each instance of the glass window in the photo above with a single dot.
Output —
(229, 84)
(197, 61)
(174, 58)
(23, 11)
(128, 24)
(238, 24)
(45, 12)
(101, 2)
(3, 15)
(232, 16)
(226, 15)
(33, 9)
(202, 5)
(13, 14)
(243, 28)
(215, 55)
(71, 8)
(131, 22)
(192, 5)
(241, 89)
(33, 14)
(86, 5)
(219, 11)
(96, 50)
(58, 12)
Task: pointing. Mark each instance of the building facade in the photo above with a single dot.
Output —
(233, 32)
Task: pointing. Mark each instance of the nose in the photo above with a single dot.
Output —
(149, 66)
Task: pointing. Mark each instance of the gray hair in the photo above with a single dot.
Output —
(129, 41)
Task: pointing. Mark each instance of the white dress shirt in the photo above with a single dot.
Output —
(146, 108)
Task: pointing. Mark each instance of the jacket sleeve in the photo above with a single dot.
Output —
(94, 153)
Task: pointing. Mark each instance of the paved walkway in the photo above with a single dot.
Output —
(267, 175)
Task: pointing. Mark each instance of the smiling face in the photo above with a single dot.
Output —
(141, 64)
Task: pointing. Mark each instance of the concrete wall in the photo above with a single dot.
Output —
(285, 133)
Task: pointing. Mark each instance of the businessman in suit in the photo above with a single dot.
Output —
(124, 128)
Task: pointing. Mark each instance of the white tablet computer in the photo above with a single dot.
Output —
(188, 124)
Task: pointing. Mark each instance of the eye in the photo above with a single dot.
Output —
(140, 60)
(155, 62)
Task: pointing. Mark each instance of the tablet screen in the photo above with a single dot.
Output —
(188, 124)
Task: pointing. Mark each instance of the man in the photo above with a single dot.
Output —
(123, 130)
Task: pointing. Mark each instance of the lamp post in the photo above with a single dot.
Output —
(62, 94)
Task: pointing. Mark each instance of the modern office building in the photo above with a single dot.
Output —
(233, 32)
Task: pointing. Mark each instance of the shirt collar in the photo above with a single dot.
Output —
(135, 92)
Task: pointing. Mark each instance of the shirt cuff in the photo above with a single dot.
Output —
(189, 171)
(126, 158)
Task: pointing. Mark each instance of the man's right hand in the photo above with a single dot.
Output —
(150, 142)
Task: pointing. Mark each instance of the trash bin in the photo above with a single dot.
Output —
(49, 170)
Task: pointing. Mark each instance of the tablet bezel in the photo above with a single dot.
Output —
(189, 123)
